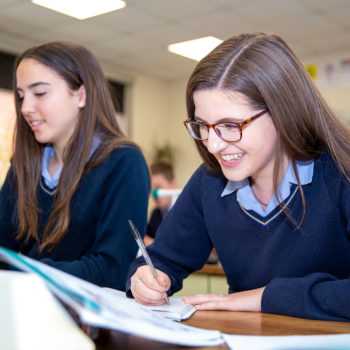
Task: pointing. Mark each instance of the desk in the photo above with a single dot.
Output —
(252, 323)
(210, 279)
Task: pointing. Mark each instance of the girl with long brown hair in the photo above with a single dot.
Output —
(273, 194)
(74, 179)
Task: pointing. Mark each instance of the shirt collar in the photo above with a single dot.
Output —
(305, 171)
(52, 181)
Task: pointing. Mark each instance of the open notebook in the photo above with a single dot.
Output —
(176, 311)
(101, 308)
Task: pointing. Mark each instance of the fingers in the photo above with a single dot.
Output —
(148, 290)
(202, 298)
(208, 301)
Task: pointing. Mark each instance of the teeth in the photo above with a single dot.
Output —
(230, 157)
(36, 122)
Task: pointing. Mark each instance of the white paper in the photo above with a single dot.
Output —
(176, 311)
(288, 342)
(97, 307)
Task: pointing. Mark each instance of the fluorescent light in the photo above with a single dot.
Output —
(195, 49)
(81, 9)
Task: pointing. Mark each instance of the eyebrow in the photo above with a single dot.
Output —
(31, 86)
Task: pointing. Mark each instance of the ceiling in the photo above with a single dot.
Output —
(134, 40)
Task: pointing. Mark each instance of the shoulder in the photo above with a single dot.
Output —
(326, 166)
(124, 162)
(127, 157)
(327, 172)
(128, 153)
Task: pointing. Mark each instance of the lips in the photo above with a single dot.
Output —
(35, 124)
(230, 160)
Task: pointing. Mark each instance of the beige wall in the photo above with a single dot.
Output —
(156, 112)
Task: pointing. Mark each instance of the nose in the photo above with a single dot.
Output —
(214, 143)
(27, 106)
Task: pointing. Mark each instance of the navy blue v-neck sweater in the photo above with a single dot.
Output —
(98, 246)
(305, 270)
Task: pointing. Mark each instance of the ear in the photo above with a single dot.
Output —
(81, 92)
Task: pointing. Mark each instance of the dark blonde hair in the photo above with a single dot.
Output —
(77, 66)
(265, 70)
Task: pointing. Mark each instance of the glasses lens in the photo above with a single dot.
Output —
(197, 130)
(228, 131)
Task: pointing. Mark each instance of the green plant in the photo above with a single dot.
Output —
(165, 153)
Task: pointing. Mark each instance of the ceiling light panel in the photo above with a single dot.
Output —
(81, 9)
(195, 49)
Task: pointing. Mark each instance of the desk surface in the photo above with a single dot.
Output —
(227, 322)
(212, 269)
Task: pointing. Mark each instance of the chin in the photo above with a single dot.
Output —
(233, 175)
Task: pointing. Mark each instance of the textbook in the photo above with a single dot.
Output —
(98, 307)
(176, 311)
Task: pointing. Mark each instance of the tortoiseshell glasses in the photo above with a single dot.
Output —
(229, 132)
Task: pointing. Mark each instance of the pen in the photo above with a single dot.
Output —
(145, 255)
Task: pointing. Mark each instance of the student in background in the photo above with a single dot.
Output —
(162, 176)
(74, 179)
(273, 194)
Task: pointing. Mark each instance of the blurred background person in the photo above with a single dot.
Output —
(162, 177)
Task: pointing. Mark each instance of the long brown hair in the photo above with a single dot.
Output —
(77, 66)
(264, 69)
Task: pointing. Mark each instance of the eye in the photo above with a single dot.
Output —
(229, 126)
(40, 94)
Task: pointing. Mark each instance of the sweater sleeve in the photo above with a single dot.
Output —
(319, 295)
(125, 198)
(182, 244)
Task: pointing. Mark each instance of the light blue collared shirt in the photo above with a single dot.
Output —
(247, 199)
(52, 181)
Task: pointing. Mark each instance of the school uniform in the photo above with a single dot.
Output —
(305, 268)
(98, 246)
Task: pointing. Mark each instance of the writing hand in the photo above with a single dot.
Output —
(148, 290)
(249, 300)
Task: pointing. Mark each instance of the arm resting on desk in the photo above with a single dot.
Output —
(249, 300)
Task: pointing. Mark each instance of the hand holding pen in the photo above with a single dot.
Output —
(155, 283)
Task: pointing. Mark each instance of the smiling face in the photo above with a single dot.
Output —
(48, 105)
(251, 157)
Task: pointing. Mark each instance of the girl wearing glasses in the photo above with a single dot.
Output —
(74, 179)
(273, 194)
